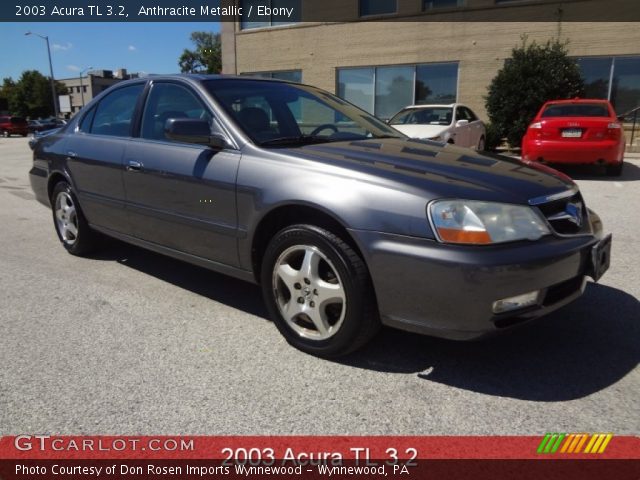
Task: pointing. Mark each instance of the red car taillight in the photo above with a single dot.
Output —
(614, 130)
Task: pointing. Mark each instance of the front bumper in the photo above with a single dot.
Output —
(448, 291)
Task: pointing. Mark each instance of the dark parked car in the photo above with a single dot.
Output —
(13, 126)
(344, 221)
(40, 126)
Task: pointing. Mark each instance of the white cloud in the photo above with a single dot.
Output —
(131, 48)
(73, 68)
(57, 47)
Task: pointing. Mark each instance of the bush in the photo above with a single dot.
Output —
(492, 137)
(534, 74)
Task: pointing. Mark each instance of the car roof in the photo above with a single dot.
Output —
(577, 100)
(435, 105)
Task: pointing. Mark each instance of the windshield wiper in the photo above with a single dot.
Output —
(295, 140)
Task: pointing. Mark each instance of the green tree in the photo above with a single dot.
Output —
(206, 57)
(30, 96)
(534, 74)
(6, 91)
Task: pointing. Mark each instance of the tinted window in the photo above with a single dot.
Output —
(430, 4)
(576, 110)
(85, 124)
(269, 111)
(394, 90)
(436, 83)
(168, 100)
(114, 113)
(377, 7)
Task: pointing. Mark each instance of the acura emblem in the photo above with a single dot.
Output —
(574, 213)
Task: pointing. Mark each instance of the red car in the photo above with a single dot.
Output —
(13, 125)
(578, 131)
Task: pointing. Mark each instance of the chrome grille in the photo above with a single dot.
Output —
(567, 216)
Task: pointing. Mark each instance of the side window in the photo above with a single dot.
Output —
(85, 124)
(168, 100)
(114, 112)
(470, 115)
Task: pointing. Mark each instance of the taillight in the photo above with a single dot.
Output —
(614, 129)
(536, 126)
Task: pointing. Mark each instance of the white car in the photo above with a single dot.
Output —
(454, 123)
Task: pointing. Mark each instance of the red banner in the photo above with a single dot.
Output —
(565, 456)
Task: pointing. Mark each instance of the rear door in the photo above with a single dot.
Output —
(94, 156)
(476, 127)
(180, 195)
(462, 132)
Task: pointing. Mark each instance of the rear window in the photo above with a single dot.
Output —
(577, 110)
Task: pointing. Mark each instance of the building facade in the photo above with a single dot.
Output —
(400, 52)
(82, 90)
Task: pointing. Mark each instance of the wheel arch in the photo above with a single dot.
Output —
(55, 178)
(291, 214)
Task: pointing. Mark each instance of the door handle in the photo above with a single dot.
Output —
(133, 166)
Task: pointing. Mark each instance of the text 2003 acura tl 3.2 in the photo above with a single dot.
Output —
(345, 222)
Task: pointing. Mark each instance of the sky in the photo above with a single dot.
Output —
(138, 47)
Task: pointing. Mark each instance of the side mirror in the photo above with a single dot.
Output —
(462, 123)
(194, 130)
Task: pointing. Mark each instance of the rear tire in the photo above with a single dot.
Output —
(72, 228)
(481, 144)
(615, 170)
(318, 291)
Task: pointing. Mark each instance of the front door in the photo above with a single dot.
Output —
(180, 195)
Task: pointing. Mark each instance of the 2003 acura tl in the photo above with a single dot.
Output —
(345, 222)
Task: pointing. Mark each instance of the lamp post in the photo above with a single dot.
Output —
(53, 86)
(81, 86)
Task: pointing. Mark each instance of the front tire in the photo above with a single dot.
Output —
(318, 292)
(72, 228)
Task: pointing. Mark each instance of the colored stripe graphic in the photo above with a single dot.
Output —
(574, 442)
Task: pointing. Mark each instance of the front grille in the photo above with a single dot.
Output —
(567, 216)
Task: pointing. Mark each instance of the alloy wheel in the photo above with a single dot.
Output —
(66, 218)
(309, 292)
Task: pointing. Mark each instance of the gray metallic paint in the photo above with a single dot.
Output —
(377, 189)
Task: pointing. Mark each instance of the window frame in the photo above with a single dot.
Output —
(242, 28)
(215, 123)
(93, 109)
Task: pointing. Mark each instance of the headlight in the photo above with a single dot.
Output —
(482, 223)
(435, 139)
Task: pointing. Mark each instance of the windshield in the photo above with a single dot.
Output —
(274, 113)
(576, 110)
(423, 116)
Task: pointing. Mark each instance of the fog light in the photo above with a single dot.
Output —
(517, 302)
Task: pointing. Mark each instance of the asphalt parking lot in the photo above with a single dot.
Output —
(130, 342)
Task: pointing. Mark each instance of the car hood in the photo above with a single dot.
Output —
(438, 170)
(421, 131)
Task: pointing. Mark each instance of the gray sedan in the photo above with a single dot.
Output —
(346, 223)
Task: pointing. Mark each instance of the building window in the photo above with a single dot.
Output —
(436, 83)
(378, 7)
(290, 75)
(271, 20)
(616, 79)
(433, 4)
(383, 91)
